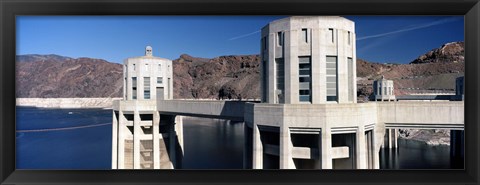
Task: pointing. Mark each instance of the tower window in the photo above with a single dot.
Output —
(349, 37)
(330, 35)
(280, 79)
(159, 80)
(134, 88)
(305, 35)
(146, 89)
(331, 78)
(280, 38)
(304, 78)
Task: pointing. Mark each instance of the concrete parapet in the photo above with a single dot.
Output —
(232, 110)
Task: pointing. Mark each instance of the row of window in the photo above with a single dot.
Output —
(305, 76)
(304, 36)
(159, 67)
(146, 86)
(385, 92)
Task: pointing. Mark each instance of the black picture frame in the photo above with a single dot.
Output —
(10, 8)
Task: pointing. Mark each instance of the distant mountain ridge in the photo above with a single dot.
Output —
(224, 77)
(53, 76)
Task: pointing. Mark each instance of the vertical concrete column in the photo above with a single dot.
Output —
(129, 84)
(361, 152)
(122, 125)
(124, 79)
(368, 139)
(114, 140)
(375, 152)
(342, 68)
(172, 141)
(326, 148)
(395, 138)
(156, 140)
(271, 97)
(179, 131)
(316, 68)
(285, 149)
(389, 137)
(257, 149)
(136, 140)
(140, 84)
(385, 132)
(322, 42)
(354, 50)
(291, 67)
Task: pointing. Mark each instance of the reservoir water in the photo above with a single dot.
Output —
(81, 139)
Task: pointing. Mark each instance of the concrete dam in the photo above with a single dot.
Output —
(308, 117)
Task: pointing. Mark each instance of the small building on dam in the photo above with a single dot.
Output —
(308, 117)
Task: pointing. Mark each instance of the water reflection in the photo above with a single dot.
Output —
(418, 155)
(212, 144)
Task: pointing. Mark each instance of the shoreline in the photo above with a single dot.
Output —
(66, 103)
(429, 137)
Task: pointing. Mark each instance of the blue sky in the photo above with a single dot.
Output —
(393, 39)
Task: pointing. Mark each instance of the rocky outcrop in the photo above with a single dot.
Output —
(449, 52)
(224, 77)
(430, 137)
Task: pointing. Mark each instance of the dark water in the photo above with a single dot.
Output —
(412, 154)
(212, 144)
(209, 144)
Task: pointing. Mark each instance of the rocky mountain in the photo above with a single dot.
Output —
(449, 52)
(432, 72)
(53, 76)
(224, 77)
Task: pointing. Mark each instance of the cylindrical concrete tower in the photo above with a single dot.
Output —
(147, 77)
(309, 60)
(383, 90)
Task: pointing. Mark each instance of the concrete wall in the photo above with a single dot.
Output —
(451, 112)
(233, 110)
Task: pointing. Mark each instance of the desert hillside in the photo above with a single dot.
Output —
(224, 77)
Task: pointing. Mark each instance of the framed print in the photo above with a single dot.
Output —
(239, 92)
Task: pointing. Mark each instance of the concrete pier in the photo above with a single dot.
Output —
(142, 138)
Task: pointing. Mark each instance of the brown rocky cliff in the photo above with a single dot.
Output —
(449, 52)
(224, 77)
(62, 77)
